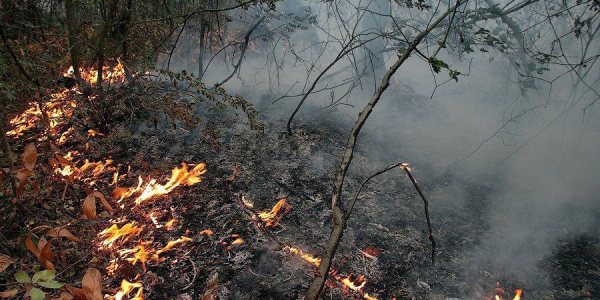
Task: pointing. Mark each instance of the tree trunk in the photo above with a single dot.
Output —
(339, 222)
(72, 27)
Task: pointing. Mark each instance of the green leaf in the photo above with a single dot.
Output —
(37, 294)
(43, 276)
(51, 284)
(437, 64)
(22, 277)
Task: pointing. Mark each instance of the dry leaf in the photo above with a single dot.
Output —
(65, 296)
(8, 294)
(76, 292)
(5, 261)
(89, 206)
(104, 202)
(29, 157)
(62, 232)
(22, 176)
(118, 191)
(34, 249)
(92, 284)
(31, 246)
(46, 252)
(372, 250)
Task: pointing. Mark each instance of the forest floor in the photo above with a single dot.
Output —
(386, 239)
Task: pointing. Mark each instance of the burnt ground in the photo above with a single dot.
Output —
(389, 217)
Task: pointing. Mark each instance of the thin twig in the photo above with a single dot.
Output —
(406, 168)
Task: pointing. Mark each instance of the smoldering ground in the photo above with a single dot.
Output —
(535, 154)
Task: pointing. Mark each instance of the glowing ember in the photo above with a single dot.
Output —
(247, 202)
(152, 189)
(272, 217)
(127, 287)
(366, 295)
(238, 241)
(207, 232)
(113, 233)
(309, 258)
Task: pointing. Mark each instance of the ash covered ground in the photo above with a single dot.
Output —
(389, 217)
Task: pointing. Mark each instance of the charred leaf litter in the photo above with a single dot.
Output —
(389, 217)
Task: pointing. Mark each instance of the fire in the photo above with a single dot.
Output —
(315, 261)
(170, 245)
(61, 106)
(140, 254)
(355, 285)
(110, 75)
(152, 189)
(272, 217)
(366, 295)
(518, 293)
(169, 225)
(247, 202)
(237, 241)
(113, 233)
(207, 232)
(127, 287)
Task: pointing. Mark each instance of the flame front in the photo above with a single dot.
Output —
(315, 261)
(152, 189)
(113, 233)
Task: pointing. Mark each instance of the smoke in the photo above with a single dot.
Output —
(538, 152)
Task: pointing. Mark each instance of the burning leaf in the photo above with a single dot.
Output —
(5, 261)
(29, 157)
(92, 284)
(62, 232)
(8, 294)
(89, 206)
(272, 217)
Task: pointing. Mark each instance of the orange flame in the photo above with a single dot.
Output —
(170, 245)
(152, 189)
(112, 234)
(271, 218)
(354, 285)
(207, 232)
(127, 287)
(307, 257)
(518, 293)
